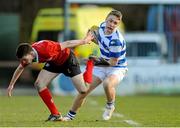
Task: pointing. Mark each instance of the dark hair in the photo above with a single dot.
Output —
(23, 49)
(116, 13)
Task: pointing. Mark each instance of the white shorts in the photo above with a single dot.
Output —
(103, 72)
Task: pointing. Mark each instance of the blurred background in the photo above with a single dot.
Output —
(151, 29)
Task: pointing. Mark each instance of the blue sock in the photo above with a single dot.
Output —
(71, 114)
(110, 104)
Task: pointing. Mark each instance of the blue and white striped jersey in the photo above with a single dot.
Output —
(112, 46)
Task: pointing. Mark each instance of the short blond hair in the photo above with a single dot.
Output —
(116, 13)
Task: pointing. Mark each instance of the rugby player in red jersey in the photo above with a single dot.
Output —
(58, 58)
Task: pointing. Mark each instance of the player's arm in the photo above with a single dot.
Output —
(116, 49)
(98, 61)
(94, 30)
(73, 43)
(113, 61)
(16, 75)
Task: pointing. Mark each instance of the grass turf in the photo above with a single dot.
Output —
(146, 111)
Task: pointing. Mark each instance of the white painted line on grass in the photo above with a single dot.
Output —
(94, 103)
(116, 114)
(131, 122)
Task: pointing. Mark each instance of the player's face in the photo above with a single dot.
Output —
(26, 60)
(111, 23)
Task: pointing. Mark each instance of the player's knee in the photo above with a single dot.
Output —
(37, 85)
(82, 92)
(106, 86)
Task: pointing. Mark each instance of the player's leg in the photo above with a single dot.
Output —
(88, 79)
(43, 80)
(98, 77)
(80, 99)
(110, 84)
(71, 68)
(88, 74)
(79, 84)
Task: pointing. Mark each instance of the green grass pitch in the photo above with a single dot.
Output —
(145, 111)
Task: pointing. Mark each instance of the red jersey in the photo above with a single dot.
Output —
(47, 50)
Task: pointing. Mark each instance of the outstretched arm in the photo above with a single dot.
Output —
(16, 75)
(73, 43)
(95, 31)
(98, 61)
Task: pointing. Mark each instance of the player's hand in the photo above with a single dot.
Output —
(94, 30)
(9, 90)
(89, 37)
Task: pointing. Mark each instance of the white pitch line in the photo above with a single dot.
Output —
(116, 114)
(94, 103)
(131, 122)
